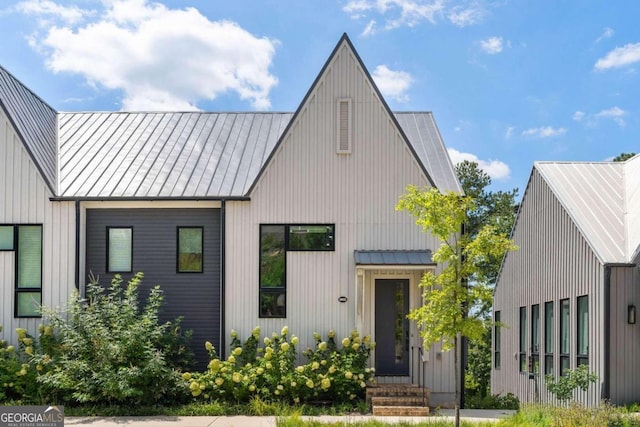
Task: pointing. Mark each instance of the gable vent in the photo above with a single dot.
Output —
(344, 126)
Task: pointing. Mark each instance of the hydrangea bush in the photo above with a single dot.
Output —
(269, 371)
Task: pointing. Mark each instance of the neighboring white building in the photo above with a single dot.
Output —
(569, 295)
(243, 219)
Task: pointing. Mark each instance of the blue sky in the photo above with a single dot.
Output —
(510, 82)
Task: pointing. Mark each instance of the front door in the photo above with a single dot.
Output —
(392, 326)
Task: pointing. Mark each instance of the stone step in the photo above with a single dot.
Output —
(397, 390)
(399, 401)
(401, 411)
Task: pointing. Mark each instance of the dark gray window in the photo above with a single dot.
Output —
(496, 340)
(535, 338)
(564, 336)
(275, 241)
(190, 256)
(7, 238)
(548, 337)
(119, 249)
(28, 270)
(523, 339)
(583, 330)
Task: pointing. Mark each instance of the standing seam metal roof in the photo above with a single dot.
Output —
(594, 195)
(190, 155)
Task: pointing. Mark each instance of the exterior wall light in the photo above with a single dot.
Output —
(631, 314)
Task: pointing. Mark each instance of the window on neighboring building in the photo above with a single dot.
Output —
(275, 241)
(535, 338)
(583, 330)
(496, 340)
(119, 249)
(523, 339)
(28, 270)
(564, 336)
(190, 250)
(548, 337)
(7, 238)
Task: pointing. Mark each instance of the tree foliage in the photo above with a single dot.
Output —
(623, 156)
(497, 208)
(447, 295)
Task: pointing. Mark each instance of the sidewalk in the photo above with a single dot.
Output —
(477, 415)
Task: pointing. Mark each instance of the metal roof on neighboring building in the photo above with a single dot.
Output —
(35, 122)
(594, 196)
(393, 258)
(196, 154)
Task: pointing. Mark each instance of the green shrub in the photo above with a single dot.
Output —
(495, 401)
(104, 349)
(570, 381)
(269, 373)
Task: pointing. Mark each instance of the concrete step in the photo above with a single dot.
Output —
(399, 401)
(401, 411)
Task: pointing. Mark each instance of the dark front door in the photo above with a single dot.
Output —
(392, 326)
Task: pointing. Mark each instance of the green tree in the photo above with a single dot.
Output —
(499, 210)
(623, 156)
(444, 316)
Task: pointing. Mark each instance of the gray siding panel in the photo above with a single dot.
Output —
(553, 262)
(195, 296)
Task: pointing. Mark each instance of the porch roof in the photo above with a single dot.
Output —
(393, 257)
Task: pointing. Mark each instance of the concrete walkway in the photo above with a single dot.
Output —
(476, 415)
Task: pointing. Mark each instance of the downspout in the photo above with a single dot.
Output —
(77, 272)
(222, 277)
(606, 386)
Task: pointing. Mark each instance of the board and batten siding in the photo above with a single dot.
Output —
(307, 181)
(193, 296)
(625, 337)
(24, 199)
(554, 262)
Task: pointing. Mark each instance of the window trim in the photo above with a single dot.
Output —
(549, 329)
(497, 338)
(118, 227)
(582, 358)
(18, 290)
(189, 227)
(565, 324)
(13, 244)
(522, 358)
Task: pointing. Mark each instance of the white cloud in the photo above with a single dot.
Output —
(606, 33)
(48, 9)
(492, 45)
(619, 57)
(496, 169)
(392, 84)
(463, 16)
(409, 13)
(161, 58)
(614, 113)
(544, 132)
(578, 116)
(509, 132)
(370, 29)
